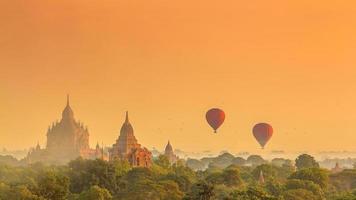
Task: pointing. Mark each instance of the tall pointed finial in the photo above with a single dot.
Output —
(102, 150)
(127, 117)
(67, 99)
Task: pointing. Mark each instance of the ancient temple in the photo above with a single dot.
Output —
(127, 148)
(169, 153)
(336, 169)
(67, 139)
(261, 178)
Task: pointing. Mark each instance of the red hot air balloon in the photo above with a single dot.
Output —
(215, 118)
(262, 132)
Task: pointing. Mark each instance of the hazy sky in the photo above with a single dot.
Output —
(289, 63)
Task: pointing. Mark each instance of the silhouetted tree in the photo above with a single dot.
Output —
(305, 161)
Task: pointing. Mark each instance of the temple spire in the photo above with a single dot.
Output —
(261, 179)
(67, 112)
(67, 99)
(127, 117)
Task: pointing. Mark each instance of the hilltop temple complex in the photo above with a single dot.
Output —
(127, 148)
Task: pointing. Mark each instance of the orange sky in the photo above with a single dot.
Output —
(288, 63)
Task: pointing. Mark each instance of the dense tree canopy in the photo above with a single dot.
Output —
(222, 178)
(305, 161)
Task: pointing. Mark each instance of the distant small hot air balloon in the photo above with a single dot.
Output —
(215, 118)
(262, 132)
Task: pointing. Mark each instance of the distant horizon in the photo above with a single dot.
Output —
(270, 154)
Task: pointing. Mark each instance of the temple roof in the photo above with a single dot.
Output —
(168, 148)
(126, 128)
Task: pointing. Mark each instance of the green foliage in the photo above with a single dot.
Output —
(269, 171)
(9, 160)
(294, 184)
(222, 161)
(299, 194)
(316, 175)
(345, 180)
(344, 195)
(239, 161)
(246, 173)
(305, 161)
(280, 162)
(183, 176)
(53, 186)
(17, 192)
(195, 164)
(101, 180)
(143, 183)
(86, 173)
(163, 162)
(252, 193)
(231, 177)
(201, 191)
(275, 188)
(95, 193)
(255, 160)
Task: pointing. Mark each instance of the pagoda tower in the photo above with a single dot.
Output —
(261, 179)
(66, 140)
(127, 148)
(168, 151)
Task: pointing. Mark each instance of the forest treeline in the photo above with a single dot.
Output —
(225, 178)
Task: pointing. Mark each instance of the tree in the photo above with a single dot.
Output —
(163, 162)
(143, 183)
(345, 180)
(286, 169)
(280, 161)
(201, 191)
(195, 164)
(183, 176)
(95, 193)
(239, 161)
(231, 177)
(86, 173)
(252, 193)
(170, 190)
(255, 160)
(53, 186)
(316, 175)
(343, 196)
(214, 177)
(9, 160)
(222, 161)
(17, 192)
(274, 187)
(299, 194)
(305, 161)
(269, 171)
(294, 184)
